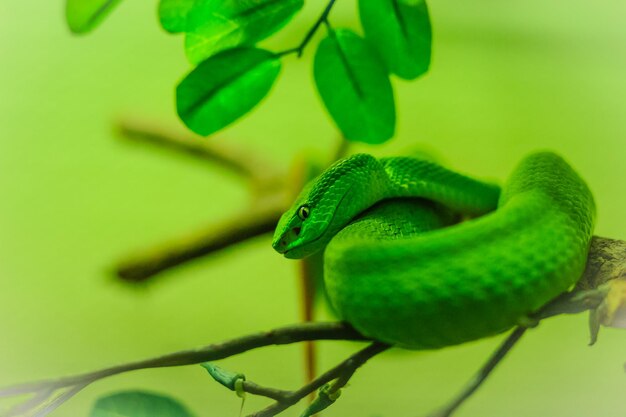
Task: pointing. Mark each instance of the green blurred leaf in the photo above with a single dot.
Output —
(173, 14)
(401, 32)
(138, 404)
(223, 376)
(225, 87)
(84, 15)
(355, 87)
(214, 25)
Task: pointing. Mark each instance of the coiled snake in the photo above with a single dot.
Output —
(400, 266)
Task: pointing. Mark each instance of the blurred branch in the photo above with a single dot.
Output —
(241, 162)
(268, 201)
(271, 194)
(246, 225)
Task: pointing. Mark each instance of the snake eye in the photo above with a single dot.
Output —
(304, 212)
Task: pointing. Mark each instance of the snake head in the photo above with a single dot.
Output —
(307, 227)
(292, 230)
(325, 206)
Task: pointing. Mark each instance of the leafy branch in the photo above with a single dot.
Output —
(307, 38)
(232, 75)
(601, 290)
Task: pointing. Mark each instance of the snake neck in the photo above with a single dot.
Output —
(377, 180)
(421, 178)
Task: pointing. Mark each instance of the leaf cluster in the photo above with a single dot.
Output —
(232, 74)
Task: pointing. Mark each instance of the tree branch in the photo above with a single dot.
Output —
(280, 336)
(246, 225)
(269, 199)
(483, 373)
(341, 372)
(239, 161)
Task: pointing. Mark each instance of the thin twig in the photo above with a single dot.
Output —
(341, 372)
(280, 336)
(309, 35)
(354, 363)
(483, 373)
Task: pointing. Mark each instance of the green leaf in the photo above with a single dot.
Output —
(223, 376)
(355, 87)
(401, 32)
(84, 15)
(138, 404)
(173, 14)
(225, 87)
(214, 25)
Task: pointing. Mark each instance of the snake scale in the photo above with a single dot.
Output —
(422, 257)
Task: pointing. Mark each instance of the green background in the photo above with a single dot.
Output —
(507, 78)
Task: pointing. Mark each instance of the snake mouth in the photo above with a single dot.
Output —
(303, 250)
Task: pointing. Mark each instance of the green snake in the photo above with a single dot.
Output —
(422, 257)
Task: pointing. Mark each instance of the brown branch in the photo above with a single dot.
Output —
(246, 225)
(245, 164)
(269, 200)
(606, 262)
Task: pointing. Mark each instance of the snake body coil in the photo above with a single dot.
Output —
(401, 269)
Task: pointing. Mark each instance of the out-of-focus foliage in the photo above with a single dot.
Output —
(138, 404)
(84, 15)
(173, 14)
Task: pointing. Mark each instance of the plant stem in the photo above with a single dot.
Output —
(483, 373)
(341, 372)
(309, 35)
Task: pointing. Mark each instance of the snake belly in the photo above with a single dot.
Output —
(398, 275)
